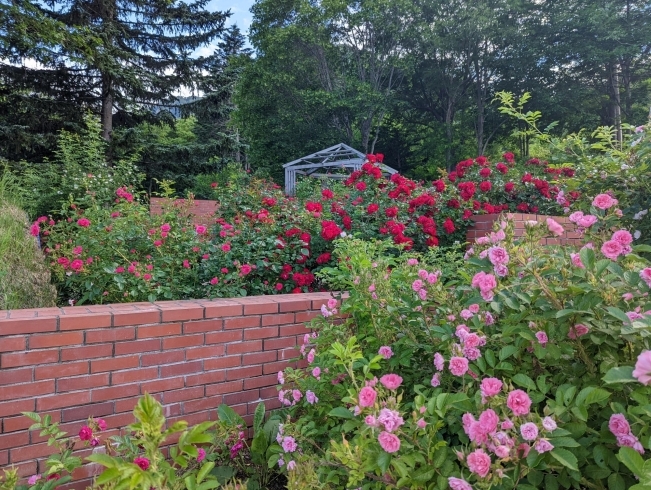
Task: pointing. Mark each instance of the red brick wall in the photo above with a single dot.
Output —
(202, 211)
(483, 225)
(83, 361)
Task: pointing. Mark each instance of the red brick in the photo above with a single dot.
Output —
(86, 352)
(161, 385)
(114, 392)
(127, 404)
(245, 372)
(30, 452)
(114, 364)
(259, 357)
(195, 418)
(261, 382)
(222, 362)
(137, 346)
(287, 330)
(63, 400)
(20, 359)
(269, 392)
(222, 308)
(23, 326)
(161, 358)
(279, 319)
(83, 412)
(9, 344)
(182, 313)
(210, 325)
(20, 422)
(180, 369)
(183, 394)
(271, 404)
(27, 390)
(86, 321)
(274, 367)
(26, 469)
(61, 370)
(207, 403)
(294, 305)
(221, 388)
(241, 322)
(241, 347)
(11, 376)
(87, 471)
(260, 308)
(133, 376)
(242, 397)
(14, 440)
(110, 335)
(55, 340)
(124, 318)
(4, 458)
(172, 410)
(121, 419)
(182, 341)
(271, 344)
(260, 333)
(82, 382)
(207, 352)
(223, 337)
(306, 316)
(159, 330)
(288, 353)
(205, 378)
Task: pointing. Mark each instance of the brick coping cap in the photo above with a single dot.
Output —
(309, 300)
(516, 217)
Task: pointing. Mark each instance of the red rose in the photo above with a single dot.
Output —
(323, 258)
(485, 186)
(501, 168)
(142, 462)
(439, 185)
(360, 186)
(327, 194)
(508, 187)
(527, 177)
(330, 230)
(348, 223)
(481, 160)
(448, 226)
(509, 157)
(454, 204)
(313, 207)
(86, 433)
(391, 212)
(467, 214)
(372, 208)
(485, 172)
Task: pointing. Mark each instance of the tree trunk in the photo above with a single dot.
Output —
(617, 103)
(449, 119)
(107, 107)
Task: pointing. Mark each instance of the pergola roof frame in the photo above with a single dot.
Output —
(340, 155)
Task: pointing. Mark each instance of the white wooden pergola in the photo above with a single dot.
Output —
(322, 164)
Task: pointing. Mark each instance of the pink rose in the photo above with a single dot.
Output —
(642, 371)
(587, 221)
(576, 216)
(490, 387)
(549, 424)
(479, 462)
(577, 331)
(200, 229)
(554, 227)
(542, 338)
(390, 419)
(201, 455)
(421, 423)
(576, 261)
(529, 431)
(458, 366)
(417, 285)
(367, 397)
(370, 421)
(488, 421)
(310, 356)
(645, 275)
(289, 444)
(436, 380)
(86, 433)
(474, 308)
(498, 256)
(543, 446)
(519, 402)
(385, 351)
(618, 425)
(391, 381)
(389, 442)
(142, 462)
(623, 237)
(458, 484)
(604, 201)
(502, 451)
(439, 362)
(612, 249)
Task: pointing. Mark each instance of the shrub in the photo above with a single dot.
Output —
(516, 373)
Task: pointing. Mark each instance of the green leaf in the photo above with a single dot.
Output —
(621, 374)
(258, 417)
(564, 442)
(566, 458)
(616, 482)
(507, 351)
(228, 415)
(632, 459)
(383, 461)
(524, 381)
(619, 314)
(108, 475)
(587, 258)
(562, 313)
(205, 469)
(341, 412)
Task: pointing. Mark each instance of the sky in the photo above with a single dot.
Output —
(240, 16)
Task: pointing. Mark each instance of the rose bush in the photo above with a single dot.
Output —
(526, 369)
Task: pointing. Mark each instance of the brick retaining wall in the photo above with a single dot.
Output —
(82, 361)
(202, 211)
(483, 224)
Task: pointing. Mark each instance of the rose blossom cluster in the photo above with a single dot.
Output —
(486, 283)
(330, 309)
(289, 445)
(424, 278)
(620, 428)
(619, 244)
(505, 438)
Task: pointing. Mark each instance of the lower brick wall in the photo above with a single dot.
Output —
(483, 225)
(202, 211)
(76, 362)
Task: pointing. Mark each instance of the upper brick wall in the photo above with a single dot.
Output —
(483, 225)
(202, 210)
(82, 361)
